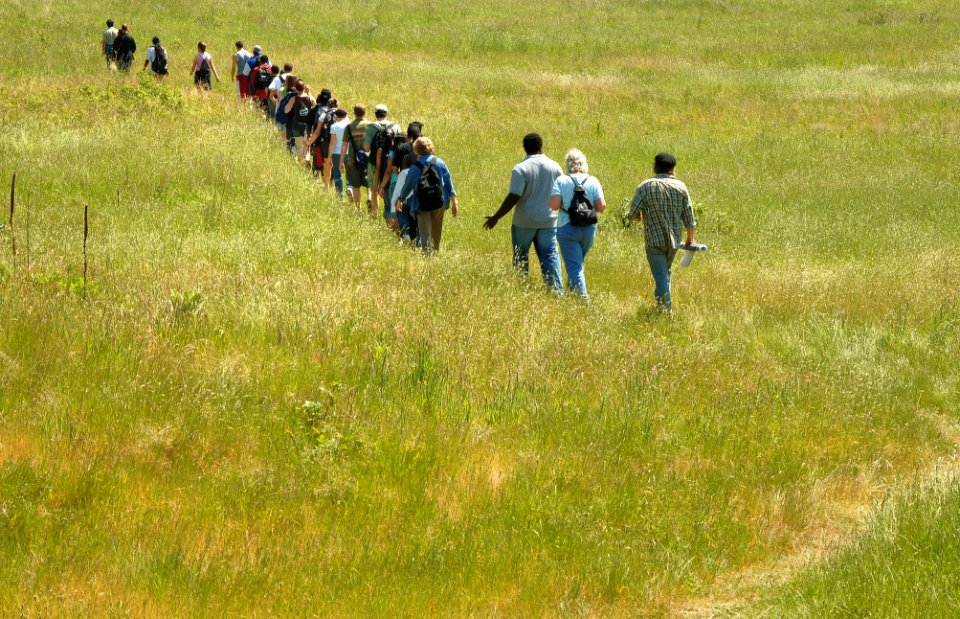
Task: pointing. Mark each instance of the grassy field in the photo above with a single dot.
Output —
(260, 405)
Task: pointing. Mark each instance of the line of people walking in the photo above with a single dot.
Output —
(555, 209)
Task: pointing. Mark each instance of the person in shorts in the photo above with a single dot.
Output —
(297, 110)
(355, 157)
(202, 67)
(106, 46)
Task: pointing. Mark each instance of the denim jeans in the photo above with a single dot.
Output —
(575, 242)
(336, 176)
(544, 241)
(660, 260)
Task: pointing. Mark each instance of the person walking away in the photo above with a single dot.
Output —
(319, 115)
(534, 222)
(260, 79)
(107, 43)
(278, 89)
(248, 70)
(124, 48)
(238, 62)
(384, 170)
(663, 204)
(429, 193)
(577, 197)
(355, 156)
(337, 136)
(297, 110)
(202, 67)
(407, 223)
(374, 137)
(156, 62)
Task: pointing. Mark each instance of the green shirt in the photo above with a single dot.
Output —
(353, 137)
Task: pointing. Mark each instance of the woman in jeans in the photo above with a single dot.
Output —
(202, 66)
(575, 241)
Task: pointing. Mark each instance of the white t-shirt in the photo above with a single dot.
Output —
(151, 55)
(337, 130)
(277, 84)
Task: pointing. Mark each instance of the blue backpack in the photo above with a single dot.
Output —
(281, 109)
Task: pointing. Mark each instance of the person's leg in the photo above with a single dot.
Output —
(355, 181)
(568, 238)
(545, 243)
(425, 226)
(522, 238)
(436, 221)
(374, 183)
(660, 269)
(335, 175)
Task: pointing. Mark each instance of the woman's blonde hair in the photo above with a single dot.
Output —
(576, 161)
(423, 146)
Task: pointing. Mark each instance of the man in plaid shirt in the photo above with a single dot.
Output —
(664, 206)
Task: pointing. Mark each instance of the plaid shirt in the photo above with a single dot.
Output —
(665, 205)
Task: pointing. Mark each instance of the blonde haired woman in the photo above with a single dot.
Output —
(429, 200)
(575, 241)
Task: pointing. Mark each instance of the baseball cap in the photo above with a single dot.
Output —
(381, 108)
(257, 49)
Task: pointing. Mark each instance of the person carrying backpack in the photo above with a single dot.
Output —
(260, 78)
(577, 197)
(124, 48)
(375, 136)
(355, 156)
(427, 193)
(247, 72)
(321, 113)
(156, 62)
(298, 111)
(202, 66)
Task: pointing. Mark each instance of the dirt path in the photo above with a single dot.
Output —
(736, 594)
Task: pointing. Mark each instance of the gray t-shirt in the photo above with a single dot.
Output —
(532, 179)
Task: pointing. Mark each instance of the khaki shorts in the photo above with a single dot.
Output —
(356, 177)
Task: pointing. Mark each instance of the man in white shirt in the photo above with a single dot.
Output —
(151, 64)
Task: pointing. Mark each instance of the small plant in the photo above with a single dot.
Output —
(315, 431)
(186, 306)
(71, 284)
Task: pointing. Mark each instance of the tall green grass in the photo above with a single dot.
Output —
(262, 405)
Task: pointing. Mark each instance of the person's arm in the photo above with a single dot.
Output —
(193, 68)
(213, 68)
(233, 68)
(636, 206)
(146, 62)
(408, 186)
(688, 219)
(448, 186)
(103, 46)
(506, 206)
(290, 105)
(599, 203)
(556, 203)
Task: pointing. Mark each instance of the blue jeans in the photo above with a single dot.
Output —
(660, 261)
(336, 176)
(575, 242)
(544, 241)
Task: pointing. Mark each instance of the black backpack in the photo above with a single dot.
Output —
(159, 64)
(328, 120)
(263, 78)
(379, 139)
(581, 210)
(429, 187)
